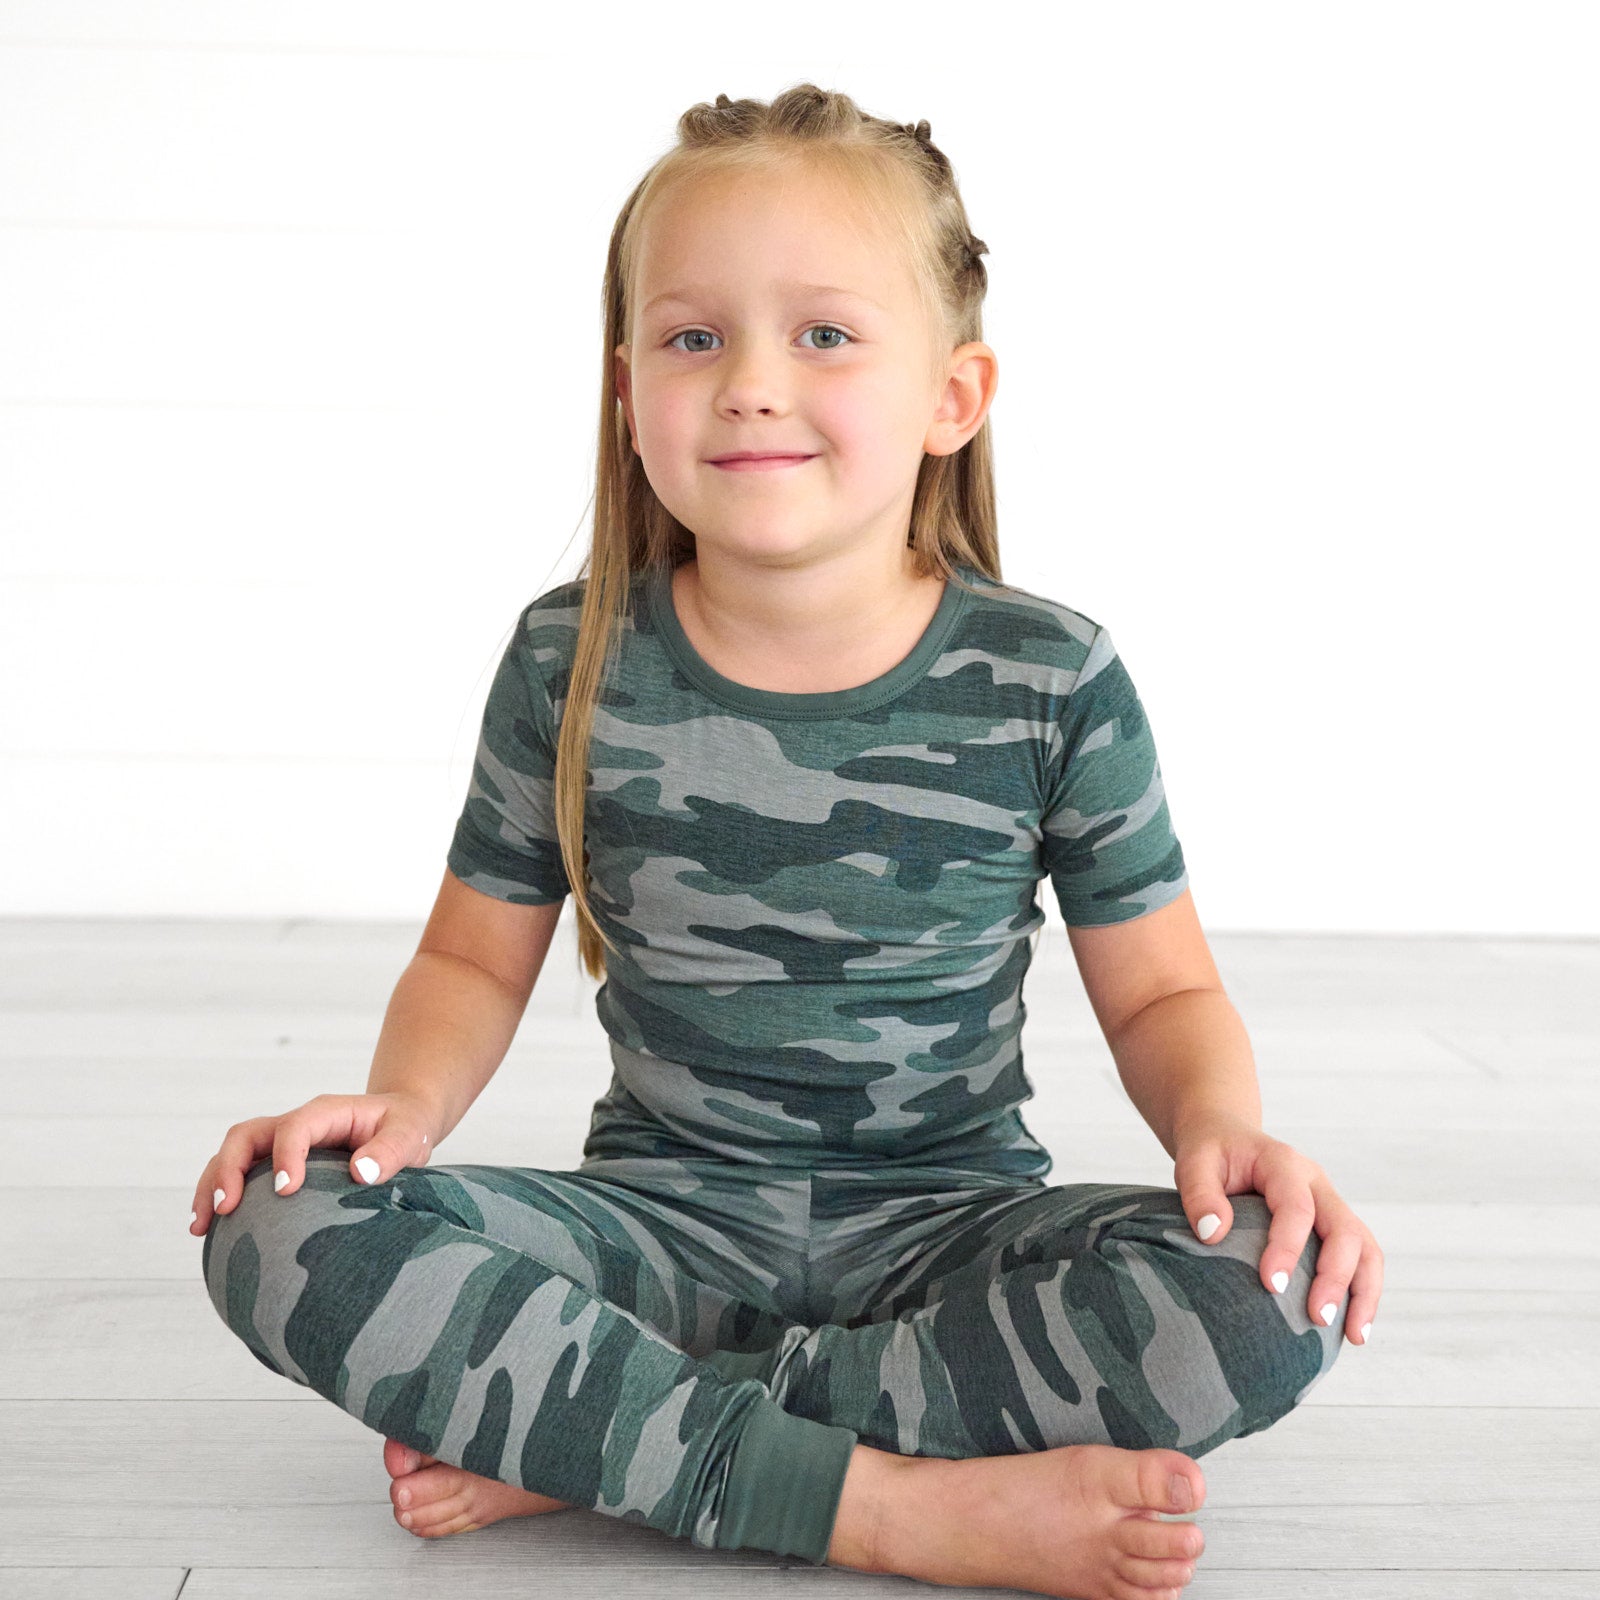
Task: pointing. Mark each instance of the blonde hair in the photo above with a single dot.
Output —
(907, 186)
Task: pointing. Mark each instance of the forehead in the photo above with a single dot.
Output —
(780, 236)
(688, 294)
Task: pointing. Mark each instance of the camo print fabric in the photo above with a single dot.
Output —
(825, 903)
(809, 1193)
(604, 1335)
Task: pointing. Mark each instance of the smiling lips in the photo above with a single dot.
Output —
(748, 463)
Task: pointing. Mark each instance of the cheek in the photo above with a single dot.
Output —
(874, 410)
(857, 425)
(661, 416)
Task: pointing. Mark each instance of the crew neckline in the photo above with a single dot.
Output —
(825, 703)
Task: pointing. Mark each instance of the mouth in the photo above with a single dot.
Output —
(759, 463)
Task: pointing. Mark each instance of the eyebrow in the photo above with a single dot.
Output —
(685, 295)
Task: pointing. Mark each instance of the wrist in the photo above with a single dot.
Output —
(430, 1112)
(1210, 1122)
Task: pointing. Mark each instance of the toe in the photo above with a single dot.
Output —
(1157, 1469)
(404, 1495)
(1121, 1589)
(1148, 1540)
(437, 1515)
(399, 1459)
(428, 1488)
(1155, 1574)
(461, 1523)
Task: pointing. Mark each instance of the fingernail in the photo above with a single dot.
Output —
(217, 1197)
(1207, 1225)
(281, 1182)
(1280, 1281)
(1329, 1312)
(368, 1168)
(1182, 1495)
(194, 1217)
(405, 1518)
(1366, 1333)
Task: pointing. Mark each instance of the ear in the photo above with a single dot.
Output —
(624, 381)
(969, 390)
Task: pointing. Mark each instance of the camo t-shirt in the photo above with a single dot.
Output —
(824, 903)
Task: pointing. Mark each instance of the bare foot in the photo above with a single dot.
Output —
(1077, 1522)
(432, 1498)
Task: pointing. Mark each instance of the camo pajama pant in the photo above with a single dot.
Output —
(698, 1344)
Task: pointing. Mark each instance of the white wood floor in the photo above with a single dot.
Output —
(1450, 1087)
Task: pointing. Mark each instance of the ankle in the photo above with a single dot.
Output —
(868, 1505)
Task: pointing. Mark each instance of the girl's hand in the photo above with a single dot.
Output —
(1219, 1156)
(384, 1132)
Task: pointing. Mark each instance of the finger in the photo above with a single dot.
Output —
(1336, 1264)
(368, 1163)
(200, 1217)
(1204, 1204)
(1293, 1209)
(205, 1206)
(222, 1183)
(1366, 1287)
(386, 1152)
(1214, 1219)
(297, 1132)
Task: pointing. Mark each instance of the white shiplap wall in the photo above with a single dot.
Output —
(299, 352)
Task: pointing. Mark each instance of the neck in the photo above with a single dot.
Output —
(837, 605)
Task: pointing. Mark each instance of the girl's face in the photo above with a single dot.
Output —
(767, 318)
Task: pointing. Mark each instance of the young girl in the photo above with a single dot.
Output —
(800, 758)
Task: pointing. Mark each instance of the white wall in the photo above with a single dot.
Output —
(299, 359)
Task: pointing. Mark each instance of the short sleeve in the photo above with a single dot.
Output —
(1108, 843)
(505, 841)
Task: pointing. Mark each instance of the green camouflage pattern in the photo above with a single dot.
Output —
(824, 903)
(603, 1335)
(808, 1192)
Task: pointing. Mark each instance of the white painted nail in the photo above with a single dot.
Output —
(1366, 1333)
(1280, 1281)
(281, 1182)
(368, 1168)
(1208, 1225)
(218, 1196)
(1329, 1312)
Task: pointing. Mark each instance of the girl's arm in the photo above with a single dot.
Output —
(1180, 1046)
(1186, 1058)
(455, 1009)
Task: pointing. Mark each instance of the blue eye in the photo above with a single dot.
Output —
(672, 343)
(831, 329)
